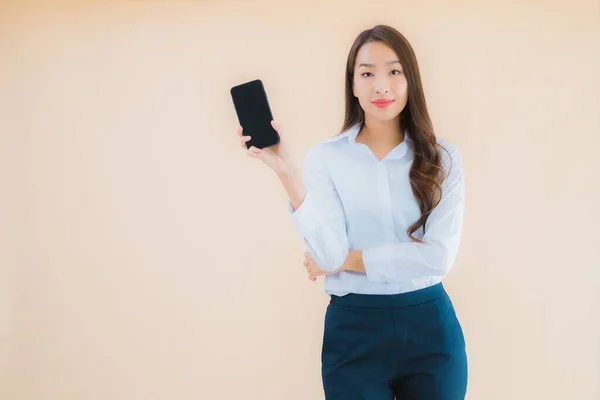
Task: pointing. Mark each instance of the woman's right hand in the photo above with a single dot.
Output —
(276, 157)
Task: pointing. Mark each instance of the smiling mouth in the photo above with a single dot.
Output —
(383, 103)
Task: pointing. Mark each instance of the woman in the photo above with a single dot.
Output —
(380, 208)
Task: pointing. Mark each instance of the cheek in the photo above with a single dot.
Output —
(401, 88)
(363, 91)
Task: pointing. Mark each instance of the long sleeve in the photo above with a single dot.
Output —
(403, 261)
(320, 217)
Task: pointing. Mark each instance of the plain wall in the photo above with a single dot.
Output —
(144, 256)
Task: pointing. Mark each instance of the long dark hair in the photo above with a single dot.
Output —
(426, 173)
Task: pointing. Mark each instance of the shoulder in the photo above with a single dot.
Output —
(452, 164)
(449, 148)
(326, 149)
(450, 153)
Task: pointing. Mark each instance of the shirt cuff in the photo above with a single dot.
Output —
(379, 265)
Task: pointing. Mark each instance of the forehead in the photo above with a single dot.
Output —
(375, 53)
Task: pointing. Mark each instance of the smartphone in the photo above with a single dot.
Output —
(254, 114)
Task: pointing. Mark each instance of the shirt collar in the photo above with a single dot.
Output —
(352, 132)
(349, 133)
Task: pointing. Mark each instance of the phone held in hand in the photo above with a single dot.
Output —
(254, 114)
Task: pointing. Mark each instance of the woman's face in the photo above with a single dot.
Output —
(379, 82)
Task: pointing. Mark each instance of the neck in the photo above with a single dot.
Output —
(383, 133)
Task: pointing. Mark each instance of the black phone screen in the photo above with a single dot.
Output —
(254, 114)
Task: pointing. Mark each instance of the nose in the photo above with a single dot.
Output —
(381, 84)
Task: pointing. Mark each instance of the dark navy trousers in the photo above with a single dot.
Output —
(407, 346)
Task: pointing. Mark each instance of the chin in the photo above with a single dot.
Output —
(383, 115)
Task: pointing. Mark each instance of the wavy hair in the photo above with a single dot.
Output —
(426, 173)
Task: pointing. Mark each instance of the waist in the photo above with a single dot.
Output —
(399, 300)
(346, 282)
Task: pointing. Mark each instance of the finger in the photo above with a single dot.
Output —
(276, 126)
(243, 141)
(253, 152)
(244, 138)
(306, 262)
(255, 149)
(240, 130)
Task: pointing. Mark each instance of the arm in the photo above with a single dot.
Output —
(404, 261)
(313, 202)
(317, 212)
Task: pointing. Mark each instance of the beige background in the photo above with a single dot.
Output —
(130, 217)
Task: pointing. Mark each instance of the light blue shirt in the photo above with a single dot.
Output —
(355, 201)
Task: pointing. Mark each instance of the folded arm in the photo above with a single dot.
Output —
(403, 261)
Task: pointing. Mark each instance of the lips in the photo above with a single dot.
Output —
(383, 103)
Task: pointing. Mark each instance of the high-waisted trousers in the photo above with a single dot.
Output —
(407, 346)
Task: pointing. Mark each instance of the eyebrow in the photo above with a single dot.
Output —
(373, 65)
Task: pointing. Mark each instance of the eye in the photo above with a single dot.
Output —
(396, 72)
(365, 73)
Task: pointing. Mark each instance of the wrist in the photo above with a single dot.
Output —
(286, 170)
(353, 261)
(290, 178)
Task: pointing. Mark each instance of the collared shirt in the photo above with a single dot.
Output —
(355, 201)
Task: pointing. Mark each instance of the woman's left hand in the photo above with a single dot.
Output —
(313, 269)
